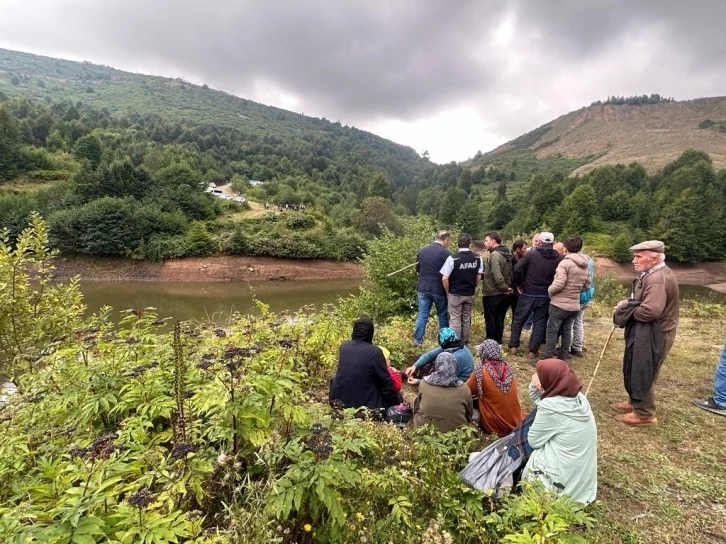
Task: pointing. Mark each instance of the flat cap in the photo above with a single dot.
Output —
(649, 245)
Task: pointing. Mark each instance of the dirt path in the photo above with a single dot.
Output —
(217, 268)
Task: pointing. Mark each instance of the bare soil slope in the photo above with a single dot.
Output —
(652, 135)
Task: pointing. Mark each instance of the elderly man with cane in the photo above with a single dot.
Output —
(650, 318)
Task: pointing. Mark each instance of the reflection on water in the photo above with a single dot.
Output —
(212, 300)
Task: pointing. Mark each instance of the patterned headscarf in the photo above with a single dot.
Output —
(449, 341)
(490, 354)
(445, 371)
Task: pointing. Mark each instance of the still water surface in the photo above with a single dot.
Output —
(217, 300)
(212, 300)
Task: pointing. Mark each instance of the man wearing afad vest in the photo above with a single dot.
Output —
(460, 274)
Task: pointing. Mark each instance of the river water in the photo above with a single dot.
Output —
(217, 300)
(212, 300)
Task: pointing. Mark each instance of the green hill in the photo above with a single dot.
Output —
(128, 95)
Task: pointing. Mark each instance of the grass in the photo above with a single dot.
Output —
(662, 484)
(665, 483)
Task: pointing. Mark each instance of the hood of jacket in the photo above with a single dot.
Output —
(504, 250)
(363, 330)
(548, 252)
(579, 259)
(576, 408)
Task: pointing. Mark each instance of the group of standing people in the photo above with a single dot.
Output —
(547, 286)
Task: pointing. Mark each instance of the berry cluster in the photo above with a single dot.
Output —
(78, 452)
(219, 333)
(182, 449)
(336, 409)
(319, 442)
(141, 499)
(103, 447)
(139, 370)
(287, 342)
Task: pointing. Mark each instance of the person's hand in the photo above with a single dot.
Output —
(535, 382)
(412, 381)
(410, 370)
(622, 302)
(510, 290)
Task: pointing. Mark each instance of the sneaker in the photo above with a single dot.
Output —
(710, 406)
(622, 407)
(416, 344)
(576, 353)
(633, 419)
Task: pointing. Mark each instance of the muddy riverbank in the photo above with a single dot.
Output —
(205, 269)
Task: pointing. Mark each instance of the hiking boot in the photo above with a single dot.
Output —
(532, 355)
(635, 420)
(513, 351)
(576, 353)
(710, 406)
(622, 407)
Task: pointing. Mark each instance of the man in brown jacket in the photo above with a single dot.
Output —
(571, 278)
(657, 291)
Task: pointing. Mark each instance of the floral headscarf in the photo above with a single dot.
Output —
(445, 371)
(490, 354)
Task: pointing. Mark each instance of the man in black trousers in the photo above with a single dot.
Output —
(534, 273)
(496, 286)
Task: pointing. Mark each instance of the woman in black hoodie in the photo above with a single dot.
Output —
(362, 378)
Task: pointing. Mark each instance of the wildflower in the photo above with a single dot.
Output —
(359, 516)
(307, 527)
(223, 459)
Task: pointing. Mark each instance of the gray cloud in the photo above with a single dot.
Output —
(367, 61)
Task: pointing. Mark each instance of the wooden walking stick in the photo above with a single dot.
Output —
(602, 353)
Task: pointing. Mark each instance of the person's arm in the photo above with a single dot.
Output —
(495, 262)
(418, 264)
(543, 429)
(383, 381)
(428, 357)
(652, 302)
(480, 271)
(471, 384)
(446, 271)
(469, 407)
(560, 280)
(520, 269)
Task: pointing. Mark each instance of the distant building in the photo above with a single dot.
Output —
(255, 182)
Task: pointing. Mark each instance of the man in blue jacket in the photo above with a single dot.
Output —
(430, 289)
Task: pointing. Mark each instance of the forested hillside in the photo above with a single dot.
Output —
(118, 163)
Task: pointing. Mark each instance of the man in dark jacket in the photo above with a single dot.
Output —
(430, 288)
(519, 248)
(362, 379)
(534, 273)
(496, 286)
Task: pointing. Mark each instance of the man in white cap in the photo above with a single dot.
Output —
(534, 273)
(654, 302)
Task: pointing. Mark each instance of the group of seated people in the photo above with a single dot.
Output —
(557, 439)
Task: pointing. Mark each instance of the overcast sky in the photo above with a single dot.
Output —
(448, 77)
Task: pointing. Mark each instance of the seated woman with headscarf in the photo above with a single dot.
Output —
(494, 386)
(362, 378)
(563, 435)
(449, 342)
(443, 399)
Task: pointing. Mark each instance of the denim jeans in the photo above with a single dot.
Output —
(425, 301)
(578, 329)
(560, 321)
(719, 380)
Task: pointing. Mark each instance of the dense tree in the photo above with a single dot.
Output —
(379, 186)
(88, 149)
(375, 212)
(9, 145)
